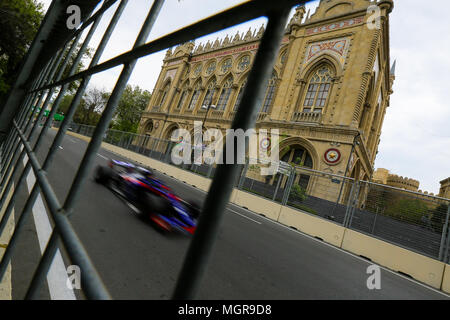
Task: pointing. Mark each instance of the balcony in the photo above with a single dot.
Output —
(216, 114)
(260, 117)
(311, 117)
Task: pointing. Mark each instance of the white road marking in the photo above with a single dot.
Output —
(102, 156)
(322, 242)
(57, 274)
(244, 216)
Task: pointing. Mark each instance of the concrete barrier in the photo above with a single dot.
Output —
(422, 268)
(257, 204)
(446, 279)
(327, 231)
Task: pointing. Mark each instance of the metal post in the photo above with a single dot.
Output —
(375, 221)
(349, 206)
(287, 189)
(219, 193)
(278, 186)
(243, 174)
(355, 201)
(445, 232)
(47, 258)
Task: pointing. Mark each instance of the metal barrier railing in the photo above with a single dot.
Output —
(41, 77)
(410, 219)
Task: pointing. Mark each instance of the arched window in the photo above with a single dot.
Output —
(195, 96)
(239, 97)
(270, 92)
(183, 96)
(163, 95)
(225, 94)
(148, 127)
(318, 89)
(299, 156)
(207, 100)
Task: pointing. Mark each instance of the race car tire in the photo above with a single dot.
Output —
(155, 204)
(102, 174)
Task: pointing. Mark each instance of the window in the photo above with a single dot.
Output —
(225, 94)
(209, 93)
(149, 126)
(182, 99)
(197, 70)
(210, 69)
(318, 90)
(239, 97)
(270, 92)
(243, 63)
(163, 96)
(195, 96)
(299, 156)
(226, 65)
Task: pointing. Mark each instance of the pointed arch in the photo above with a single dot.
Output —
(225, 92)
(195, 94)
(164, 93)
(318, 86)
(323, 58)
(270, 92)
(210, 91)
(183, 95)
(288, 144)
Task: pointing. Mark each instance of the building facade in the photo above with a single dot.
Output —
(327, 95)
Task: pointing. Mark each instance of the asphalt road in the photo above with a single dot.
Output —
(254, 257)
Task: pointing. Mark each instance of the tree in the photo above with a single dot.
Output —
(94, 102)
(298, 193)
(412, 210)
(438, 216)
(65, 104)
(19, 22)
(133, 102)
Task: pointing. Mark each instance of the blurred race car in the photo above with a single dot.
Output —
(148, 196)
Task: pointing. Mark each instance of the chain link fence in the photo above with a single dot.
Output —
(415, 221)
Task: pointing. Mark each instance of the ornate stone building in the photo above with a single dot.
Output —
(332, 80)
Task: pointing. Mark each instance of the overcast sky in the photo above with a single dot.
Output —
(415, 140)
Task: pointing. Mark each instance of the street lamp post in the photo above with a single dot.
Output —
(208, 106)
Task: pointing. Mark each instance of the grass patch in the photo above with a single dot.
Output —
(303, 207)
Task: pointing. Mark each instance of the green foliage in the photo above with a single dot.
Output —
(438, 216)
(411, 210)
(303, 208)
(19, 22)
(298, 193)
(133, 102)
(73, 86)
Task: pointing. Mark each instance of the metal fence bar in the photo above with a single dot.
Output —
(445, 233)
(92, 284)
(96, 139)
(201, 246)
(33, 131)
(29, 100)
(13, 139)
(52, 245)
